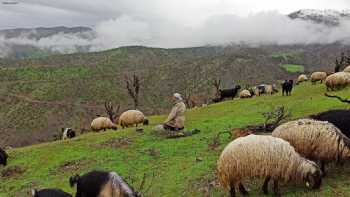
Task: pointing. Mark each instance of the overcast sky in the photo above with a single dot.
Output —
(34, 13)
(170, 23)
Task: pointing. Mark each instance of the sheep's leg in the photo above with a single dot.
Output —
(242, 189)
(232, 190)
(276, 188)
(265, 187)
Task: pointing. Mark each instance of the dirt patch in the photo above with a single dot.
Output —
(72, 166)
(116, 143)
(13, 171)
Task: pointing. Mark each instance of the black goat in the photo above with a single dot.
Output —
(3, 157)
(100, 183)
(287, 87)
(227, 93)
(50, 193)
(340, 118)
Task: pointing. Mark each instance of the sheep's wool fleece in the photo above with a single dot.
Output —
(261, 156)
(347, 69)
(101, 123)
(131, 117)
(244, 94)
(316, 140)
(338, 79)
(302, 78)
(318, 76)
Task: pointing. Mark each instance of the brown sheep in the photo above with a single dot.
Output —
(316, 140)
(318, 76)
(132, 117)
(338, 80)
(102, 123)
(264, 156)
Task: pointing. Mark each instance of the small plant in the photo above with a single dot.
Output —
(275, 117)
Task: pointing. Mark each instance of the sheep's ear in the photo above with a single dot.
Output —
(34, 192)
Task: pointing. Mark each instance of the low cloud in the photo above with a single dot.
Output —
(260, 28)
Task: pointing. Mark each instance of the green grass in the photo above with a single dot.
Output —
(292, 68)
(177, 173)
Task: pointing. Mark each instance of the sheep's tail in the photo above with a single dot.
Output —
(74, 180)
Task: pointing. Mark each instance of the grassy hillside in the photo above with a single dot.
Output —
(38, 96)
(178, 172)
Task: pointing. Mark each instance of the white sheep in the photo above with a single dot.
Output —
(318, 76)
(102, 123)
(264, 156)
(132, 117)
(316, 140)
(338, 80)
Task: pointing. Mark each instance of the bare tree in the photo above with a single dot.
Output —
(341, 63)
(112, 111)
(132, 84)
(337, 97)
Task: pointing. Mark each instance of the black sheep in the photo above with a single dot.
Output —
(50, 193)
(339, 117)
(229, 93)
(287, 87)
(100, 183)
(3, 157)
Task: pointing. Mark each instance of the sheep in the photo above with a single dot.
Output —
(101, 183)
(132, 117)
(318, 76)
(301, 79)
(316, 140)
(264, 156)
(102, 123)
(245, 94)
(3, 157)
(347, 69)
(265, 89)
(340, 118)
(50, 193)
(287, 87)
(271, 89)
(337, 80)
(67, 133)
(227, 93)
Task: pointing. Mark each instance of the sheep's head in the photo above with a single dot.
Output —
(238, 87)
(312, 175)
(3, 157)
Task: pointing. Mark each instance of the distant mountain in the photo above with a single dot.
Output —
(44, 32)
(328, 17)
(43, 41)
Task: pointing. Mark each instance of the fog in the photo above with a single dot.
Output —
(269, 27)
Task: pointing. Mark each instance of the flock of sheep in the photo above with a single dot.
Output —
(295, 151)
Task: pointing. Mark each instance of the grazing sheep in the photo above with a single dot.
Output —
(287, 87)
(340, 118)
(132, 117)
(318, 76)
(338, 80)
(67, 133)
(301, 79)
(316, 140)
(264, 156)
(227, 93)
(245, 94)
(265, 89)
(271, 89)
(3, 157)
(49, 193)
(100, 183)
(347, 69)
(102, 123)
